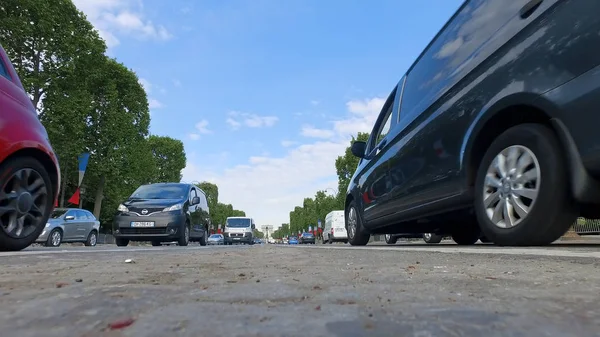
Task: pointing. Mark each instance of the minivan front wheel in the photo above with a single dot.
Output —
(357, 236)
(521, 190)
(184, 238)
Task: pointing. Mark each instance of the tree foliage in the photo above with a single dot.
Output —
(88, 102)
(219, 212)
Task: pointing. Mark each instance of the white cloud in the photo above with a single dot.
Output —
(121, 17)
(314, 102)
(146, 84)
(155, 104)
(312, 132)
(177, 83)
(194, 136)
(202, 127)
(236, 119)
(269, 187)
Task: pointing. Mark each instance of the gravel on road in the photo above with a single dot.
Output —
(289, 291)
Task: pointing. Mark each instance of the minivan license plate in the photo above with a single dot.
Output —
(142, 224)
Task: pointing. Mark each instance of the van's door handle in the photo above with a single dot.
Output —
(529, 8)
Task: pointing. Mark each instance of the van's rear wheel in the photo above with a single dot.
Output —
(391, 239)
(521, 191)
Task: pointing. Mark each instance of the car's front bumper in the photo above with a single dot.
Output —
(238, 237)
(167, 227)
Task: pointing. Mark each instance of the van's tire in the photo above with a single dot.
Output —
(552, 210)
(357, 235)
(391, 239)
(184, 238)
(156, 243)
(40, 191)
(121, 242)
(203, 239)
(432, 238)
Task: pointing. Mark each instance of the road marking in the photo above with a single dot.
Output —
(467, 250)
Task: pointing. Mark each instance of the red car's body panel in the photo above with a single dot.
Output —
(20, 128)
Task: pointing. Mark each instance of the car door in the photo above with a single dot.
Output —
(195, 213)
(70, 226)
(87, 222)
(373, 177)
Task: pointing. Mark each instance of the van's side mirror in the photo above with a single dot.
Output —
(195, 200)
(358, 148)
(253, 226)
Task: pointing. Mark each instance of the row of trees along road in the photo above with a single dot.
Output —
(317, 207)
(88, 102)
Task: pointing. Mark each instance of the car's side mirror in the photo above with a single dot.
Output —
(69, 217)
(195, 200)
(358, 148)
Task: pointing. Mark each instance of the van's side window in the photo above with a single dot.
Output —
(382, 127)
(3, 71)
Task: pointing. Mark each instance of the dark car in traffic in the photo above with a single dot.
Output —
(163, 212)
(491, 132)
(306, 238)
(29, 170)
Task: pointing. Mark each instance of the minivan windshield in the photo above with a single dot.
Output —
(57, 213)
(161, 191)
(238, 222)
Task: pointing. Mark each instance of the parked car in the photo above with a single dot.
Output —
(492, 130)
(307, 238)
(258, 241)
(335, 228)
(216, 239)
(292, 240)
(70, 225)
(163, 212)
(29, 170)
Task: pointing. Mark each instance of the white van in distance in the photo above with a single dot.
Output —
(335, 227)
(239, 230)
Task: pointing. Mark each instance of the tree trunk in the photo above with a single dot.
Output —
(99, 197)
(64, 187)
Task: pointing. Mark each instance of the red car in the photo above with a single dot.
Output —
(29, 171)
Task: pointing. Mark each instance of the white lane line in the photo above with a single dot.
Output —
(458, 249)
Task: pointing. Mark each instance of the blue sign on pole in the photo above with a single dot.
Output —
(319, 223)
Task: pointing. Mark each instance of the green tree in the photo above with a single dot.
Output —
(345, 165)
(169, 157)
(258, 234)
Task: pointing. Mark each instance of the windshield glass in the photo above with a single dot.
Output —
(238, 222)
(161, 191)
(57, 213)
(292, 238)
(215, 236)
(308, 235)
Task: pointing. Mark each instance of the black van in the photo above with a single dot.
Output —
(163, 212)
(491, 133)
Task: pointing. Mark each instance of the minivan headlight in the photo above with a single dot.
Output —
(122, 208)
(175, 207)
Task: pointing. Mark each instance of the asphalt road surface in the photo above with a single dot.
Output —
(313, 290)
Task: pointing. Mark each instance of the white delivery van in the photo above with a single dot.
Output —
(239, 230)
(335, 227)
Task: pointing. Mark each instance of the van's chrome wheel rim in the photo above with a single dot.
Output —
(511, 186)
(93, 239)
(388, 237)
(427, 236)
(352, 223)
(23, 199)
(55, 238)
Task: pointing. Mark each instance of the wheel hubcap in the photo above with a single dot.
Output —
(22, 201)
(55, 238)
(427, 236)
(187, 234)
(388, 237)
(511, 186)
(352, 223)
(93, 240)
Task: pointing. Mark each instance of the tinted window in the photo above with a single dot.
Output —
(161, 191)
(81, 215)
(3, 70)
(90, 216)
(455, 52)
(71, 213)
(382, 129)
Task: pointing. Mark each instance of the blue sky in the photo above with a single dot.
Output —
(265, 94)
